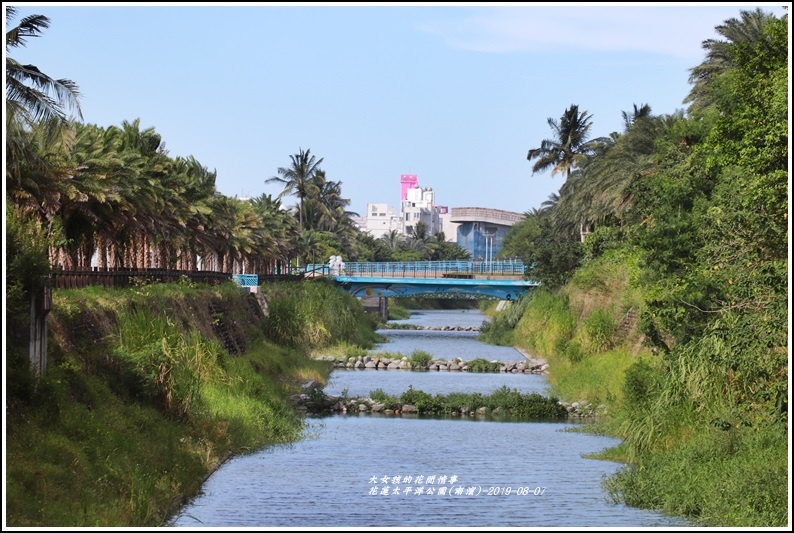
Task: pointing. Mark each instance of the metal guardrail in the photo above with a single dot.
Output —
(246, 280)
(120, 278)
(424, 269)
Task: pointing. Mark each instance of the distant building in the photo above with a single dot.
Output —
(381, 220)
(481, 230)
(417, 204)
(407, 181)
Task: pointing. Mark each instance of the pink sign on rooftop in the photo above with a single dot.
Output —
(407, 181)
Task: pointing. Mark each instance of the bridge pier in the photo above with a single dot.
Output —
(377, 304)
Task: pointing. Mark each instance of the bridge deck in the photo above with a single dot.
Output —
(502, 279)
(501, 269)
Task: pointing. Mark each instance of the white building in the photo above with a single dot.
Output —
(381, 220)
(417, 204)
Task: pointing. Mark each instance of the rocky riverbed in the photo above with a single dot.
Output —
(367, 362)
(313, 400)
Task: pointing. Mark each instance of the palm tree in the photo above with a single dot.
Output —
(750, 29)
(392, 239)
(33, 98)
(280, 234)
(324, 206)
(296, 178)
(569, 147)
(639, 113)
(421, 232)
(31, 95)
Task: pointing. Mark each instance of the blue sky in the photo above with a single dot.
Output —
(454, 93)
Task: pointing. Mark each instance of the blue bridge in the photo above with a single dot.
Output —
(502, 279)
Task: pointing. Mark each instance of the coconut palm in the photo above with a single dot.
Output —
(750, 28)
(324, 205)
(392, 239)
(640, 112)
(33, 99)
(32, 95)
(279, 231)
(569, 147)
(297, 177)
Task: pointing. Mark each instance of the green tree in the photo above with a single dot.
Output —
(297, 178)
(706, 78)
(568, 148)
(552, 257)
(371, 249)
(33, 100)
(391, 239)
(715, 231)
(438, 249)
(279, 234)
(32, 95)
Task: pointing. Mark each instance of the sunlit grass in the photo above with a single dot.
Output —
(147, 392)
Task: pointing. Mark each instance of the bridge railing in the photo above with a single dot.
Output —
(246, 280)
(316, 269)
(425, 269)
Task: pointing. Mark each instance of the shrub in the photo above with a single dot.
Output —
(482, 365)
(600, 329)
(420, 359)
(381, 397)
(640, 384)
(423, 401)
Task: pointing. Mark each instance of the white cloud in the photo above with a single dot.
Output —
(672, 30)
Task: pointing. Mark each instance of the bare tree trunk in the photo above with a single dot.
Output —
(101, 251)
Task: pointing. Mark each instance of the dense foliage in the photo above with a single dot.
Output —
(694, 208)
(664, 260)
(148, 390)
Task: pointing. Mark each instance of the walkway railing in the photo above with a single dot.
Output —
(75, 279)
(424, 269)
(246, 280)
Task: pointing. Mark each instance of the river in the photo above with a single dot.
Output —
(371, 470)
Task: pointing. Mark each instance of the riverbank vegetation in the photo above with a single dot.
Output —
(663, 259)
(664, 262)
(149, 389)
(503, 402)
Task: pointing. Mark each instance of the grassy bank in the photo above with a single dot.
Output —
(149, 389)
(689, 448)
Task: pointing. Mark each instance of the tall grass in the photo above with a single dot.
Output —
(735, 476)
(146, 392)
(310, 315)
(501, 326)
(703, 426)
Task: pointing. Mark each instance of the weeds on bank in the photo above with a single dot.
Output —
(312, 315)
(141, 401)
(691, 449)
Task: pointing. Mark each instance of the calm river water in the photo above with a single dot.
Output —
(390, 471)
